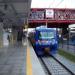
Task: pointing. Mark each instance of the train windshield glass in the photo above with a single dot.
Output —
(46, 35)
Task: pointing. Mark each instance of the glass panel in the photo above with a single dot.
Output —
(46, 35)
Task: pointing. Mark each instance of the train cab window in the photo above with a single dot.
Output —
(46, 35)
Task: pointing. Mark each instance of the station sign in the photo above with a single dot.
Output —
(49, 13)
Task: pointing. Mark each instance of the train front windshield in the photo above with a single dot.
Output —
(46, 35)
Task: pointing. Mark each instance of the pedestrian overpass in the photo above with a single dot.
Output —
(52, 17)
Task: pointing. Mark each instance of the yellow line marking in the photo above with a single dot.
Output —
(29, 64)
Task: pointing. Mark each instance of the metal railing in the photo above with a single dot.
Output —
(67, 45)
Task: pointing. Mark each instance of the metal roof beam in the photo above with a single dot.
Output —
(14, 1)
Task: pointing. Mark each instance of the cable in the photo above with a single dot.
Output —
(52, 3)
(59, 3)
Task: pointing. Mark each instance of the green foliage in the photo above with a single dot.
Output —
(67, 55)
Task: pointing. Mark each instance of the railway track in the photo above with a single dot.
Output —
(54, 67)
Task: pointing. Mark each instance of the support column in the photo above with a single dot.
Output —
(1, 35)
(14, 36)
(46, 24)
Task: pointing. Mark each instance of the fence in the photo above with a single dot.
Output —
(67, 46)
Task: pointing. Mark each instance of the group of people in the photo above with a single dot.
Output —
(20, 35)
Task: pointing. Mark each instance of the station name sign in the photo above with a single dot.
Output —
(52, 14)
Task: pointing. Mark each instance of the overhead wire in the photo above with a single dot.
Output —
(59, 3)
(51, 3)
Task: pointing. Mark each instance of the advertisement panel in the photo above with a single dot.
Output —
(37, 15)
(65, 14)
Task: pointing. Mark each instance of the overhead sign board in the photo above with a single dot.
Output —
(49, 13)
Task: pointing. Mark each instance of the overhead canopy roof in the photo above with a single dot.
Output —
(14, 12)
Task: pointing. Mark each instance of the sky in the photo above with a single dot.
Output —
(53, 4)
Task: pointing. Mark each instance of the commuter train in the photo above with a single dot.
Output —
(45, 40)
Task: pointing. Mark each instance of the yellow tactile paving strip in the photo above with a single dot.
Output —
(28, 64)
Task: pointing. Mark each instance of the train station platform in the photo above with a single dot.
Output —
(35, 67)
(19, 59)
(13, 60)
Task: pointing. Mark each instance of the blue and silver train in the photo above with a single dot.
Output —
(45, 40)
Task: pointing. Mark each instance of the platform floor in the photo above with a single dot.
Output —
(20, 59)
(36, 67)
(13, 60)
